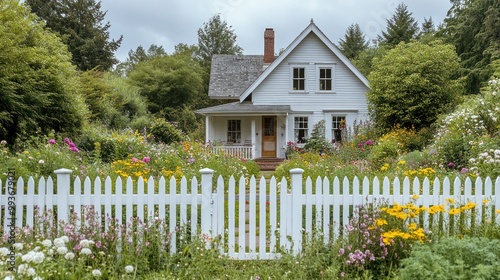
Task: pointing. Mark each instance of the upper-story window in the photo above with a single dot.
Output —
(299, 78)
(325, 78)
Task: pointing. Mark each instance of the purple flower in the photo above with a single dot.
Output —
(369, 142)
(74, 149)
(190, 160)
(52, 142)
(464, 170)
(146, 159)
(451, 165)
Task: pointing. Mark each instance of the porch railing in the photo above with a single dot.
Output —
(241, 151)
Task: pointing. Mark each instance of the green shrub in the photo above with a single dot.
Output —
(453, 258)
(165, 132)
(317, 142)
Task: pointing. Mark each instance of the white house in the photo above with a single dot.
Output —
(279, 99)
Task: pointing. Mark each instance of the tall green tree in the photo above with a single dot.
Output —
(354, 42)
(38, 89)
(401, 27)
(137, 56)
(473, 27)
(80, 24)
(168, 82)
(413, 84)
(216, 37)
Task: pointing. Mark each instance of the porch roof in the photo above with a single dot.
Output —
(244, 108)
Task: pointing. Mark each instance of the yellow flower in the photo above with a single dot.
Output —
(485, 201)
(380, 222)
(450, 201)
(455, 211)
(401, 162)
(415, 196)
(412, 226)
(436, 209)
(498, 211)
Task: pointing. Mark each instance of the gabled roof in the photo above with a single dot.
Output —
(310, 28)
(244, 108)
(230, 75)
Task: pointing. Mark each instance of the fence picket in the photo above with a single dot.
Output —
(322, 207)
(231, 214)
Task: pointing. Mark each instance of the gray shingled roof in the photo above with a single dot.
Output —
(231, 75)
(245, 107)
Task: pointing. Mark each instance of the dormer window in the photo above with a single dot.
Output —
(299, 78)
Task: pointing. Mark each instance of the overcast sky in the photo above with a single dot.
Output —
(169, 22)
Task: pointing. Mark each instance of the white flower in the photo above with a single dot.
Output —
(9, 277)
(96, 273)
(472, 160)
(86, 251)
(129, 269)
(62, 250)
(18, 246)
(86, 243)
(65, 238)
(31, 271)
(47, 243)
(50, 252)
(38, 278)
(69, 256)
(59, 242)
(4, 251)
(41, 161)
(3, 142)
(21, 269)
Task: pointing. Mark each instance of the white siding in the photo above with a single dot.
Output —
(349, 96)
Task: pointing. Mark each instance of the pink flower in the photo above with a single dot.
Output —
(146, 159)
(52, 142)
(451, 165)
(190, 160)
(134, 159)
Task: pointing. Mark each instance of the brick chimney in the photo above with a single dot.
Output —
(268, 45)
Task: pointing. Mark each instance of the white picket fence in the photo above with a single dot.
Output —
(252, 216)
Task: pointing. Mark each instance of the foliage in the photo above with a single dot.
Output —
(317, 141)
(354, 42)
(472, 27)
(216, 37)
(402, 27)
(413, 84)
(138, 56)
(37, 81)
(79, 23)
(453, 257)
(464, 136)
(111, 101)
(168, 82)
(393, 144)
(165, 132)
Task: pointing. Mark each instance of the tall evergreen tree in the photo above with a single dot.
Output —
(79, 23)
(474, 28)
(354, 42)
(401, 27)
(137, 56)
(216, 37)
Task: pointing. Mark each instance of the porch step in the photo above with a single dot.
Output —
(268, 164)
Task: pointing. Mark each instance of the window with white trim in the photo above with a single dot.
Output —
(325, 79)
(234, 131)
(301, 129)
(299, 78)
(338, 124)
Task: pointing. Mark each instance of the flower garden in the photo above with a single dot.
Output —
(382, 241)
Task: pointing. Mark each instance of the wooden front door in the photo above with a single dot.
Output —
(269, 136)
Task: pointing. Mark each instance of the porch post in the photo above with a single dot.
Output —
(253, 138)
(207, 129)
(286, 128)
